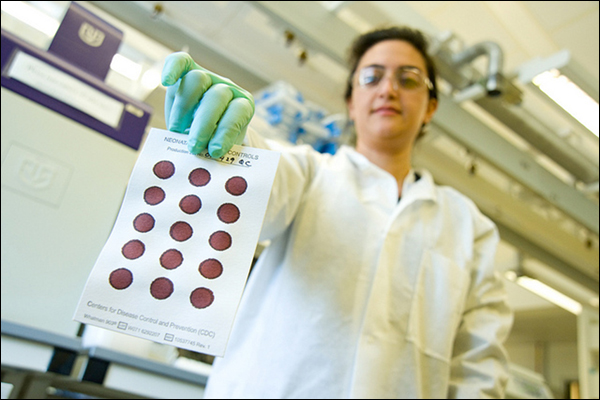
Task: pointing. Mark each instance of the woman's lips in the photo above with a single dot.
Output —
(386, 111)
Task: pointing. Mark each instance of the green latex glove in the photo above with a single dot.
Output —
(214, 110)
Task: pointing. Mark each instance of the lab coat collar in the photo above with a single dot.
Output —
(419, 189)
(413, 189)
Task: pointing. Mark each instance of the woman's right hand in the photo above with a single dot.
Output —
(212, 109)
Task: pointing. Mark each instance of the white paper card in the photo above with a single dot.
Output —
(175, 264)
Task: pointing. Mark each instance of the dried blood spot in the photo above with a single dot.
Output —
(202, 297)
(154, 195)
(220, 240)
(143, 222)
(228, 213)
(211, 268)
(120, 278)
(199, 177)
(190, 204)
(133, 249)
(181, 231)
(171, 259)
(161, 288)
(236, 185)
(164, 169)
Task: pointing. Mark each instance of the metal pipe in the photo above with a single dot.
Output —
(495, 61)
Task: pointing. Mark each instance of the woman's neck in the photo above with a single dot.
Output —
(397, 162)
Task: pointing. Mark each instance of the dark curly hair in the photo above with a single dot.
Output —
(367, 40)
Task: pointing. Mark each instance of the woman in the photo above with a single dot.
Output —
(377, 282)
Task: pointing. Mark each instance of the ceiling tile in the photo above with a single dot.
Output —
(581, 38)
(553, 14)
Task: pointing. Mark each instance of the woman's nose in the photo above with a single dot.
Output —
(389, 85)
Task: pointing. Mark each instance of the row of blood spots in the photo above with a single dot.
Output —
(162, 287)
(210, 268)
(165, 169)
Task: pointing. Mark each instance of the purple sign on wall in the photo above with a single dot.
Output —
(86, 41)
(130, 123)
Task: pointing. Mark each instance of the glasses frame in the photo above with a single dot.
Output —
(397, 82)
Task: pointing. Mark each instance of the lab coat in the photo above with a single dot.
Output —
(360, 295)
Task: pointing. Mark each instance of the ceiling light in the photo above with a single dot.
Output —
(550, 294)
(333, 5)
(570, 97)
(31, 16)
(150, 79)
(126, 67)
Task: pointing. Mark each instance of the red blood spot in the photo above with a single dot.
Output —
(164, 169)
(181, 231)
(143, 222)
(228, 213)
(236, 185)
(190, 204)
(133, 249)
(202, 297)
(154, 195)
(171, 259)
(120, 278)
(199, 177)
(220, 240)
(161, 288)
(211, 268)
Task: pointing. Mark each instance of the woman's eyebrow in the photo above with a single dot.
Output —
(400, 67)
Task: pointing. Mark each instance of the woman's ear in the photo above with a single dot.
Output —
(431, 108)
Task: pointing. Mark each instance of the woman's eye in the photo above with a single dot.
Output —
(409, 82)
(370, 77)
(370, 80)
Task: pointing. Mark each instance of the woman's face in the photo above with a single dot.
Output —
(388, 114)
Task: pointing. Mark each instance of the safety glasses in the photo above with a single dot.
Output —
(406, 77)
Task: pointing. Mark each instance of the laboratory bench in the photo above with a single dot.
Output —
(43, 365)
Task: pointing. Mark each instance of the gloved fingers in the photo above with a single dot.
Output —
(169, 98)
(228, 138)
(241, 136)
(213, 105)
(232, 125)
(182, 100)
(237, 90)
(176, 66)
(198, 99)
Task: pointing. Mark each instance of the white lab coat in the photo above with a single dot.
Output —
(360, 295)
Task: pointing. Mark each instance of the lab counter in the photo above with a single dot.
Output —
(37, 350)
(41, 364)
(147, 378)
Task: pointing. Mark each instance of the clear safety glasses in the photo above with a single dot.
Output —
(407, 78)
